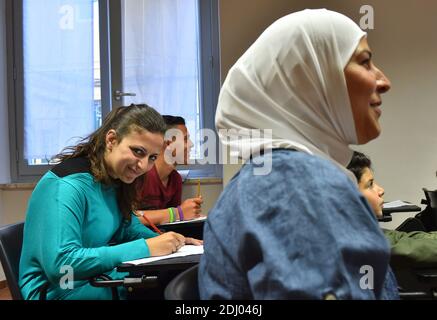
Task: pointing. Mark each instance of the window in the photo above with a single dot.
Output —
(75, 60)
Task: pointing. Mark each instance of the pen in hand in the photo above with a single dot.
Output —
(140, 213)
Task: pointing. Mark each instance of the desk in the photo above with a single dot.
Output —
(165, 270)
(386, 212)
(409, 208)
(193, 229)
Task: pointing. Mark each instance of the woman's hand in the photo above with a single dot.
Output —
(165, 243)
(193, 241)
(192, 208)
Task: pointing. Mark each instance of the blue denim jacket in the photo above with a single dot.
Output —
(303, 231)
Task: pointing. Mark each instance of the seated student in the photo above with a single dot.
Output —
(79, 218)
(408, 249)
(162, 185)
(301, 230)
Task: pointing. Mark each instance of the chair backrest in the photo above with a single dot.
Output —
(11, 242)
(429, 215)
(184, 286)
(411, 224)
(431, 197)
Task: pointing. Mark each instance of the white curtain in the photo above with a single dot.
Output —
(161, 56)
(58, 75)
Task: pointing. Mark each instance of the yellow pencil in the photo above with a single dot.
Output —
(198, 188)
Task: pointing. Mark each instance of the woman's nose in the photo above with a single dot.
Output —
(383, 84)
(143, 165)
(381, 191)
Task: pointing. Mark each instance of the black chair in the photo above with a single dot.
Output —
(11, 241)
(184, 286)
(419, 284)
(411, 224)
(431, 197)
(429, 215)
(130, 283)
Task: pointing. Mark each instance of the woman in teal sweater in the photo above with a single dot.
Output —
(79, 221)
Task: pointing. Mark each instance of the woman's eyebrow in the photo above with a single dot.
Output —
(141, 148)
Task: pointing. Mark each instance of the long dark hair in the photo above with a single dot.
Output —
(123, 120)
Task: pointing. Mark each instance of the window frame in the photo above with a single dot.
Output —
(110, 35)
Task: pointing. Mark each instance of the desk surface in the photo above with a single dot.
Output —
(386, 212)
(409, 208)
(165, 270)
(193, 229)
(178, 263)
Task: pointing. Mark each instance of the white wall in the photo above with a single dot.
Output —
(405, 46)
(15, 205)
(210, 194)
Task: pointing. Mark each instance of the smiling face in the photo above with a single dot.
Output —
(365, 84)
(133, 156)
(371, 191)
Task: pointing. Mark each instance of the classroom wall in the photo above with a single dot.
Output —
(14, 205)
(405, 45)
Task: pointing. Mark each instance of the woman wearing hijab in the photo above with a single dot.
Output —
(301, 231)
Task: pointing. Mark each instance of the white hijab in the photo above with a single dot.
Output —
(291, 80)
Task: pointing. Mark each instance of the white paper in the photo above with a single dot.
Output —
(184, 221)
(186, 250)
(396, 204)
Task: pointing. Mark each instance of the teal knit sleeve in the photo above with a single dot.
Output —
(136, 230)
(57, 224)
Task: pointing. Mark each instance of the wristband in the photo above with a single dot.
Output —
(181, 214)
(172, 215)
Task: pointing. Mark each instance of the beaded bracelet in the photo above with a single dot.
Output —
(181, 214)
